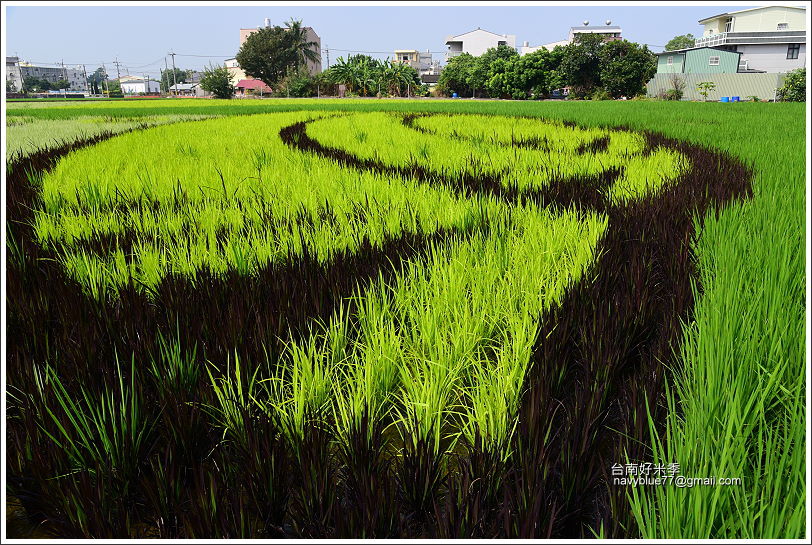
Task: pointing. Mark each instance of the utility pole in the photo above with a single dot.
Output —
(84, 71)
(174, 75)
(118, 72)
(146, 85)
(105, 85)
(65, 76)
(327, 51)
(166, 75)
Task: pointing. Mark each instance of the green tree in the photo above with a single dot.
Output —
(269, 53)
(794, 87)
(114, 87)
(305, 51)
(705, 87)
(367, 76)
(680, 42)
(10, 87)
(168, 78)
(60, 84)
(455, 76)
(494, 60)
(580, 67)
(32, 83)
(217, 81)
(625, 67)
(297, 83)
(96, 81)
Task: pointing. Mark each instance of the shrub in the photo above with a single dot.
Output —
(794, 88)
(297, 83)
(217, 81)
(670, 94)
(601, 94)
(704, 88)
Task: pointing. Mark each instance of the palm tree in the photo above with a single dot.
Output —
(389, 76)
(344, 73)
(304, 50)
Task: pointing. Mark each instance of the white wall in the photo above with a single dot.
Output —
(771, 57)
(767, 19)
(479, 41)
(760, 20)
(133, 88)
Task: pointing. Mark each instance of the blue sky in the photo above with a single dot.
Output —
(140, 36)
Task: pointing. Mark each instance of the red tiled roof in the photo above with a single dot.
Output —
(253, 84)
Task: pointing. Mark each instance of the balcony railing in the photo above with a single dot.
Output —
(733, 38)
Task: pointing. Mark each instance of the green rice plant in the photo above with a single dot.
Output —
(175, 370)
(234, 406)
(111, 431)
(26, 135)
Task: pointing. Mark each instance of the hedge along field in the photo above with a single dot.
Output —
(559, 528)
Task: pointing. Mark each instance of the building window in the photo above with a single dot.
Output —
(670, 60)
(793, 50)
(782, 26)
(713, 61)
(728, 24)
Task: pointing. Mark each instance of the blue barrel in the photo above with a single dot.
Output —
(454, 95)
(724, 99)
(734, 99)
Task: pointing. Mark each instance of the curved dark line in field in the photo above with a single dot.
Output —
(563, 193)
(598, 145)
(599, 358)
(532, 143)
(253, 315)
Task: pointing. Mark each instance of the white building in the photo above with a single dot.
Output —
(13, 73)
(19, 70)
(234, 70)
(477, 42)
(192, 89)
(607, 31)
(770, 39)
(419, 60)
(135, 86)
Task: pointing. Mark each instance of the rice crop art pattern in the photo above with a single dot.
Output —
(365, 324)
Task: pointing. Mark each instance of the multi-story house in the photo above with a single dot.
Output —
(476, 42)
(421, 61)
(19, 70)
(13, 74)
(770, 39)
(314, 67)
(234, 70)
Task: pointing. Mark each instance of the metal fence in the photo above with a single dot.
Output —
(727, 85)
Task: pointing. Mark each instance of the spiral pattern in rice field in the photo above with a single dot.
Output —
(476, 308)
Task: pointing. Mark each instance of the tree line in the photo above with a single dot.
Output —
(589, 67)
(279, 57)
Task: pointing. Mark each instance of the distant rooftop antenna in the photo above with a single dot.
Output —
(608, 22)
(586, 23)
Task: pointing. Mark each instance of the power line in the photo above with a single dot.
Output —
(150, 64)
(204, 56)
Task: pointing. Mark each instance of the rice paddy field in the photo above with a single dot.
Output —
(414, 319)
